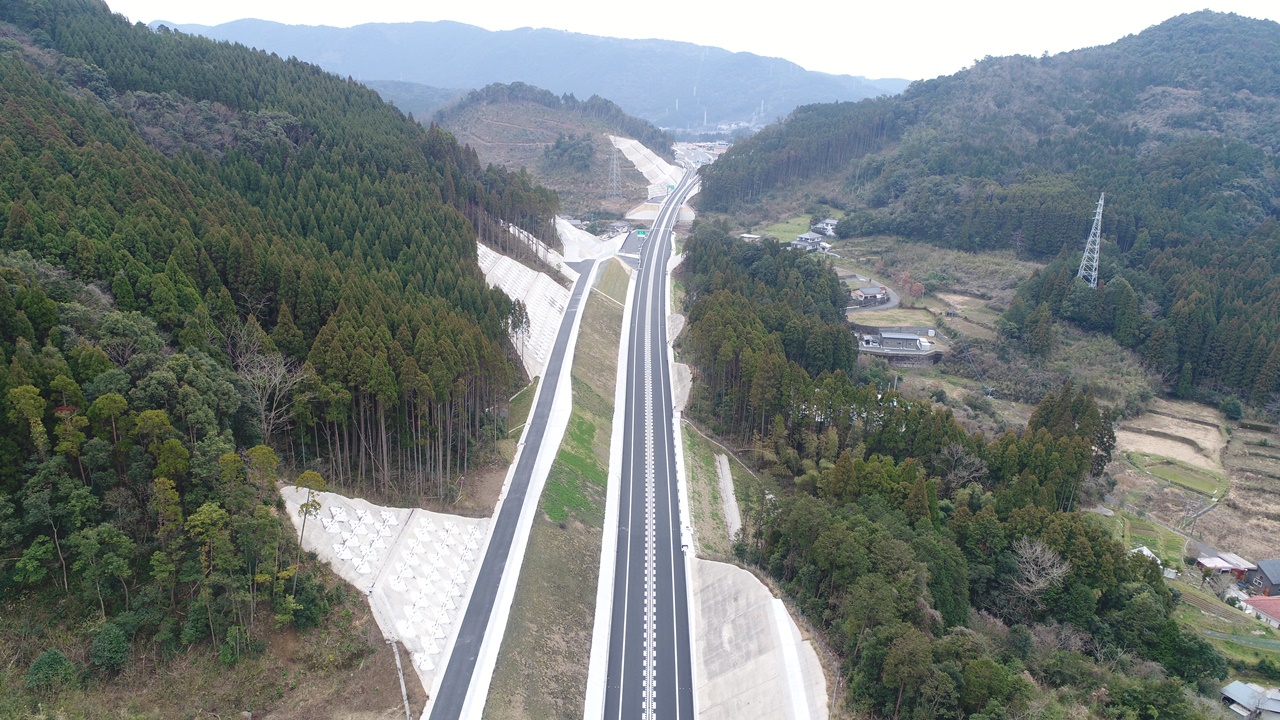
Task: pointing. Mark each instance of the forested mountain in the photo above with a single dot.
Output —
(204, 249)
(1179, 125)
(668, 83)
(951, 574)
(561, 141)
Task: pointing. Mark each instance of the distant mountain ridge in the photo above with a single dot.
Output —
(672, 84)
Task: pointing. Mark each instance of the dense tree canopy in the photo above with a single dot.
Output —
(285, 222)
(942, 566)
(220, 269)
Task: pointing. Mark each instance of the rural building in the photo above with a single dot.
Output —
(826, 227)
(1146, 552)
(1226, 563)
(870, 296)
(1266, 609)
(1239, 566)
(1266, 579)
(901, 341)
(1252, 701)
(749, 237)
(907, 346)
(810, 242)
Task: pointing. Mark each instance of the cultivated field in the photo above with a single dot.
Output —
(1173, 437)
(889, 318)
(994, 275)
(1221, 490)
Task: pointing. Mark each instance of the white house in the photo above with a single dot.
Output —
(811, 242)
(826, 227)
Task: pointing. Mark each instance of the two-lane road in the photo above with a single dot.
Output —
(650, 662)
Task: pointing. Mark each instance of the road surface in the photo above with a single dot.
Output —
(649, 661)
(459, 673)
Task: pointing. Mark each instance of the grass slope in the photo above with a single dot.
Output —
(542, 670)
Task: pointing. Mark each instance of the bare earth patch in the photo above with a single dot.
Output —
(1188, 410)
(480, 489)
(1251, 512)
(1129, 440)
(1207, 441)
(705, 504)
(962, 302)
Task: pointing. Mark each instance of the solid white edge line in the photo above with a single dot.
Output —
(447, 652)
(685, 519)
(598, 668)
(557, 423)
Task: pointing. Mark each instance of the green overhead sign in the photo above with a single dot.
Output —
(642, 233)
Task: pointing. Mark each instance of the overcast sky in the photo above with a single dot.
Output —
(907, 39)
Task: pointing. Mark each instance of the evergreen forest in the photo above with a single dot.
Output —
(1178, 125)
(954, 575)
(222, 270)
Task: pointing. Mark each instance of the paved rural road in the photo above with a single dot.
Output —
(459, 672)
(650, 663)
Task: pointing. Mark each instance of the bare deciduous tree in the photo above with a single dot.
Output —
(959, 466)
(272, 381)
(1040, 569)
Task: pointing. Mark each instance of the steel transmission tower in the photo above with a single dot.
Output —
(614, 189)
(1089, 263)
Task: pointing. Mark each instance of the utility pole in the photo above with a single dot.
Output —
(1089, 263)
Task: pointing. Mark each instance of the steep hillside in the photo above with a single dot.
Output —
(1179, 125)
(669, 83)
(219, 271)
(561, 141)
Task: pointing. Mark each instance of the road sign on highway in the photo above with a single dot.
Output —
(642, 233)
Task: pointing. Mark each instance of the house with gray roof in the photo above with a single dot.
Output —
(1265, 579)
(1251, 701)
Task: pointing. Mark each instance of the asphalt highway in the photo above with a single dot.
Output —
(459, 672)
(650, 661)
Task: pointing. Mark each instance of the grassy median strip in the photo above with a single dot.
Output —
(542, 668)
